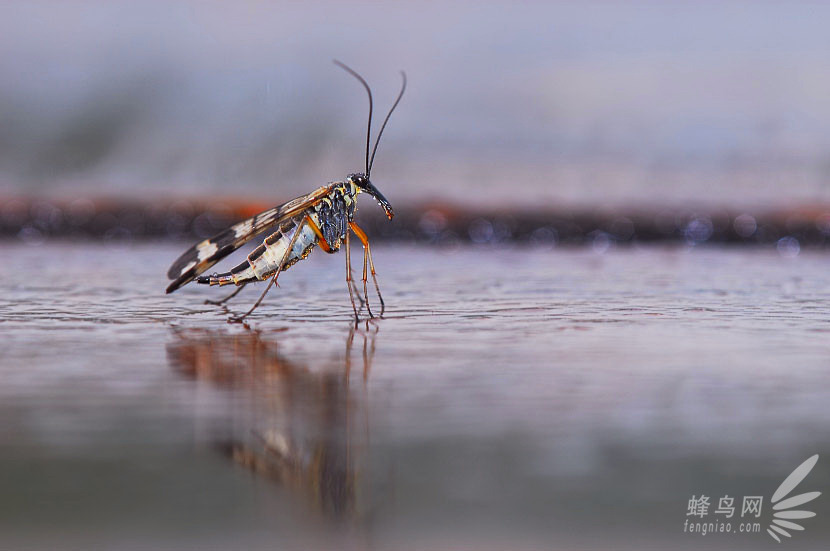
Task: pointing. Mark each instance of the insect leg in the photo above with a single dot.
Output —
(349, 278)
(297, 232)
(327, 248)
(365, 291)
(363, 302)
(359, 297)
(368, 252)
(316, 229)
(227, 298)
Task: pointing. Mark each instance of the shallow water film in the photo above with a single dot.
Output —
(511, 398)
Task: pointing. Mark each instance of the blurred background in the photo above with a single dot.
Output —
(518, 394)
(513, 104)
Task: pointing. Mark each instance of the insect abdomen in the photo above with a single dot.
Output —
(265, 259)
(331, 215)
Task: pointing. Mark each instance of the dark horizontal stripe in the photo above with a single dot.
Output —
(256, 253)
(239, 268)
(24, 219)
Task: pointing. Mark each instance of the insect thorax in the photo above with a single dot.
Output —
(335, 211)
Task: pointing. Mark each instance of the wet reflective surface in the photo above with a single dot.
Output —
(512, 398)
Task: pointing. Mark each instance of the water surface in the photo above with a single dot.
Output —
(511, 398)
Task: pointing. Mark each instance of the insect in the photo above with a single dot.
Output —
(324, 217)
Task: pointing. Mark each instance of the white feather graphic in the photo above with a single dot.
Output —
(781, 507)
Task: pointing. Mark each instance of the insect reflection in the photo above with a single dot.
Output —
(304, 428)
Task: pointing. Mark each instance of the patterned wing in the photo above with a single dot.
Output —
(202, 256)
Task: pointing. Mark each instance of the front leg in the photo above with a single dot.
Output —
(367, 254)
(349, 282)
(324, 244)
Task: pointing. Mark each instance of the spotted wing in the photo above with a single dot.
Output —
(202, 256)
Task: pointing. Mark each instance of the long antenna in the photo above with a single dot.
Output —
(383, 126)
(368, 91)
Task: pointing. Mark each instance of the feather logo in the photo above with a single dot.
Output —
(785, 511)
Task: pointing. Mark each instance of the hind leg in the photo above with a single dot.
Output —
(240, 319)
(227, 298)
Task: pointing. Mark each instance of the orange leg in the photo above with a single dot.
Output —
(327, 248)
(316, 229)
(367, 254)
(349, 278)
